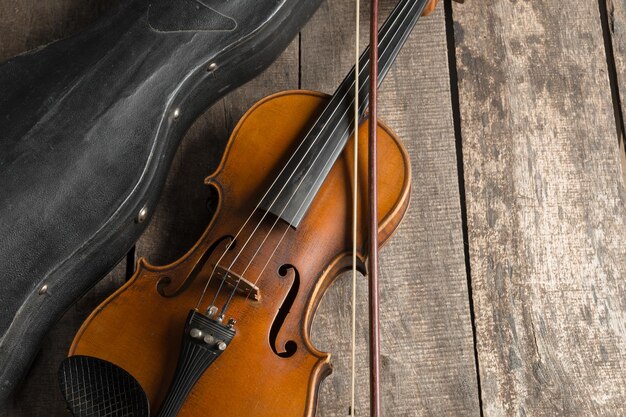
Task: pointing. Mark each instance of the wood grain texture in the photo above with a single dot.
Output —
(545, 207)
(428, 361)
(28, 24)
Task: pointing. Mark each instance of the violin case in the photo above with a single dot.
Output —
(88, 128)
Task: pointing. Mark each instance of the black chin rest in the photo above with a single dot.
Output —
(93, 387)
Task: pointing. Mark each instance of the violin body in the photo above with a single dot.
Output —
(270, 368)
(89, 126)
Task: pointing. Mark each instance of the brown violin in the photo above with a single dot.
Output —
(224, 331)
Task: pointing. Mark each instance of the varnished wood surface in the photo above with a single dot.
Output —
(138, 328)
(535, 131)
(546, 209)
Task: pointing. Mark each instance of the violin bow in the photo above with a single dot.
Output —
(372, 268)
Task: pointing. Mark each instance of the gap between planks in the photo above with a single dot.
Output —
(607, 19)
(456, 118)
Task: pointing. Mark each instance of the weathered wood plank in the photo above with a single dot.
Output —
(428, 357)
(28, 24)
(546, 208)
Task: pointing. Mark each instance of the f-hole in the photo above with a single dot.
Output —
(165, 281)
(290, 346)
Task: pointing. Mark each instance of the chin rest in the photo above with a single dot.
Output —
(93, 387)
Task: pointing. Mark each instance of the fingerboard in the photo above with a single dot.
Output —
(299, 181)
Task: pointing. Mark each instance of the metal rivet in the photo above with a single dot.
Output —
(177, 114)
(221, 346)
(208, 339)
(43, 289)
(212, 66)
(142, 215)
(232, 322)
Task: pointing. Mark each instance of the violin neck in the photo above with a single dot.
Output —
(392, 36)
(298, 183)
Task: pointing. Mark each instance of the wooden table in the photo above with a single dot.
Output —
(504, 291)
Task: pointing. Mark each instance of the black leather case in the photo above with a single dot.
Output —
(88, 128)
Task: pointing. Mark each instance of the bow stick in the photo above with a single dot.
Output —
(374, 304)
(373, 282)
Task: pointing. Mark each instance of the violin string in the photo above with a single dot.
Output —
(257, 207)
(355, 196)
(254, 211)
(224, 308)
(315, 139)
(366, 78)
(293, 194)
(302, 204)
(283, 237)
(280, 241)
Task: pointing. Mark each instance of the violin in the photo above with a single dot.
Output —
(225, 330)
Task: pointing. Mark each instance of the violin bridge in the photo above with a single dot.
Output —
(234, 280)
